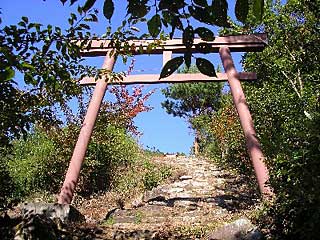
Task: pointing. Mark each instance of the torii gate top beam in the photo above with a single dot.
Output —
(239, 43)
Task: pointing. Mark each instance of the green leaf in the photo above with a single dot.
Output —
(188, 37)
(171, 66)
(219, 12)
(202, 3)
(108, 9)
(154, 25)
(187, 59)
(25, 19)
(241, 10)
(206, 67)
(166, 18)
(164, 4)
(171, 5)
(175, 23)
(137, 9)
(205, 33)
(257, 7)
(88, 5)
(29, 79)
(94, 18)
(84, 26)
(203, 48)
(46, 47)
(22, 24)
(27, 66)
(7, 74)
(72, 2)
(200, 14)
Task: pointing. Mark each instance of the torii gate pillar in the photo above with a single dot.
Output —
(71, 179)
(241, 105)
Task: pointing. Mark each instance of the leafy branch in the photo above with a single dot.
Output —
(177, 15)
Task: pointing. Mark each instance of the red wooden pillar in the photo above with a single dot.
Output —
(253, 144)
(71, 179)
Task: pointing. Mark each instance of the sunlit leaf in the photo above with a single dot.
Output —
(241, 10)
(257, 6)
(154, 25)
(171, 66)
(108, 9)
(29, 79)
(205, 33)
(7, 74)
(27, 66)
(206, 67)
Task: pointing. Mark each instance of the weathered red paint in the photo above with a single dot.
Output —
(71, 179)
(241, 105)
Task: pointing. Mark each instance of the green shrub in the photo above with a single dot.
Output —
(6, 184)
(142, 175)
(154, 174)
(39, 163)
(110, 150)
(32, 164)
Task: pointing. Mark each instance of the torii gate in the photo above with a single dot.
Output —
(223, 45)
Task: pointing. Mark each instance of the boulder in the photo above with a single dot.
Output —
(65, 212)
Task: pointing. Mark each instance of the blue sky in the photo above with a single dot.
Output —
(160, 130)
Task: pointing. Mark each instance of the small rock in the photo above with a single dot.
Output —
(138, 202)
(185, 177)
(180, 184)
(175, 190)
(199, 184)
(158, 203)
(241, 229)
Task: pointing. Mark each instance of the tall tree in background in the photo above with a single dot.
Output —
(191, 100)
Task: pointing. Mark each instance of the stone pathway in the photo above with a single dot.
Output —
(198, 201)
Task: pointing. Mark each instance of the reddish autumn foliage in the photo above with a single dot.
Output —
(127, 105)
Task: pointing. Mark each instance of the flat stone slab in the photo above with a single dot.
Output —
(241, 229)
(65, 212)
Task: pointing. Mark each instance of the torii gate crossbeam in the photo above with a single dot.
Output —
(223, 45)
